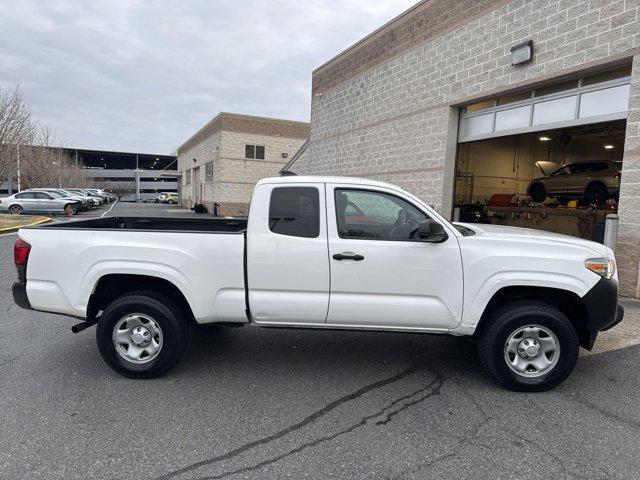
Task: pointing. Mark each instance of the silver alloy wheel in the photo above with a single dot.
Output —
(137, 338)
(532, 351)
(15, 209)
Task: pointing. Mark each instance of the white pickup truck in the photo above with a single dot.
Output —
(324, 252)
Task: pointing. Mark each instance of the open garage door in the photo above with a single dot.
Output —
(562, 175)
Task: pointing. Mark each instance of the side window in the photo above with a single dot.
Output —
(577, 168)
(42, 196)
(26, 195)
(363, 214)
(598, 167)
(295, 211)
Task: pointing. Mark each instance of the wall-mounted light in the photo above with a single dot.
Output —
(544, 138)
(608, 146)
(522, 53)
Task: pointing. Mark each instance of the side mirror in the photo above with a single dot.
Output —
(431, 231)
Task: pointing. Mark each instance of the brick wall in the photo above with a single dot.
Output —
(233, 175)
(396, 119)
(628, 244)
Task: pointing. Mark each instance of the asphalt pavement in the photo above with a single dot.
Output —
(271, 404)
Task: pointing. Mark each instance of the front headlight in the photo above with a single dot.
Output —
(605, 267)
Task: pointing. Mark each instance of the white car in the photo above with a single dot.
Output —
(324, 252)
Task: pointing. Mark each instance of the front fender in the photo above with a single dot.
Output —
(476, 302)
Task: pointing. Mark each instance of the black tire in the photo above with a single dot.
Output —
(596, 193)
(538, 192)
(176, 333)
(506, 320)
(15, 209)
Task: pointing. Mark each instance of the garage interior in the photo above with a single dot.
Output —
(548, 159)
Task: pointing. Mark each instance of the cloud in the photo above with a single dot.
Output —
(136, 75)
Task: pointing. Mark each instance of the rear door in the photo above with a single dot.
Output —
(28, 201)
(287, 259)
(382, 275)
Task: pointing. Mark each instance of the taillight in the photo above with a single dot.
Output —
(20, 257)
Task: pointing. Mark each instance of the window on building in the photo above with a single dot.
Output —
(254, 151)
(366, 215)
(187, 177)
(295, 211)
(208, 172)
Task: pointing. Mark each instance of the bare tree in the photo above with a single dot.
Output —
(121, 188)
(16, 130)
(47, 164)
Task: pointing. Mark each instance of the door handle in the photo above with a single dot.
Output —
(348, 256)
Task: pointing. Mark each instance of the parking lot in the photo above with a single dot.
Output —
(259, 403)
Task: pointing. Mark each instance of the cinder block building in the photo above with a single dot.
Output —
(460, 101)
(222, 162)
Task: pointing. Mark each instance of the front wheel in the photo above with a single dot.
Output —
(70, 210)
(528, 346)
(142, 335)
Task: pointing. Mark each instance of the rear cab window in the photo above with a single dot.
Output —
(295, 211)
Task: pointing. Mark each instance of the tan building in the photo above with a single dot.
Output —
(462, 103)
(223, 161)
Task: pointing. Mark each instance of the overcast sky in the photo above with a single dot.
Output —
(143, 76)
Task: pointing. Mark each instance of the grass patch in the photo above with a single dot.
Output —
(10, 220)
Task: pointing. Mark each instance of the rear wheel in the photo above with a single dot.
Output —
(538, 193)
(142, 335)
(596, 193)
(528, 346)
(15, 209)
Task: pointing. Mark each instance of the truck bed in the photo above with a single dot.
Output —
(177, 224)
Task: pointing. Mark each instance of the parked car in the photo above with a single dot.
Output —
(98, 200)
(597, 181)
(324, 252)
(159, 198)
(85, 202)
(171, 198)
(39, 202)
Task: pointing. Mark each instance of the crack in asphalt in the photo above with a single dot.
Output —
(297, 426)
(9, 361)
(434, 387)
(611, 415)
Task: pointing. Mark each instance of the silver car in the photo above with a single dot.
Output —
(85, 202)
(39, 202)
(597, 180)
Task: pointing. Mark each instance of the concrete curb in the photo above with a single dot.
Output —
(15, 229)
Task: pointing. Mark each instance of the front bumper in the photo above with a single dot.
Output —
(19, 290)
(603, 311)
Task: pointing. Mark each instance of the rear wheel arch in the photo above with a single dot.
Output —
(112, 286)
(567, 302)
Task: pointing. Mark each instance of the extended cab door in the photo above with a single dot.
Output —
(382, 275)
(287, 258)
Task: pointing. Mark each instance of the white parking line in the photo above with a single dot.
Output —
(114, 204)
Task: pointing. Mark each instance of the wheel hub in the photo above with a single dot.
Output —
(141, 336)
(529, 348)
(137, 338)
(532, 351)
